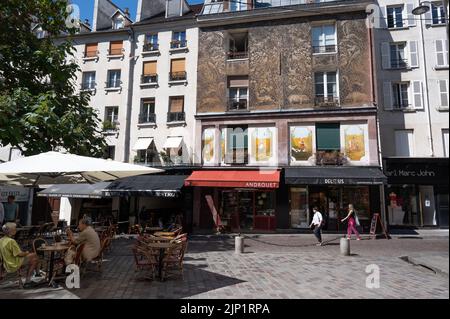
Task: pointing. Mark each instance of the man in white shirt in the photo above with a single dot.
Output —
(2, 213)
(317, 222)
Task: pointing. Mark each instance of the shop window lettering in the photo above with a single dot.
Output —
(406, 173)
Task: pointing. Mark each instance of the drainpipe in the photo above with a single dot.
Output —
(129, 104)
(430, 130)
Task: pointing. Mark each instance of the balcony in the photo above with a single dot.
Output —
(237, 55)
(116, 53)
(150, 48)
(326, 101)
(325, 49)
(147, 118)
(178, 46)
(399, 106)
(90, 56)
(176, 117)
(88, 86)
(149, 80)
(110, 127)
(177, 78)
(112, 86)
(238, 104)
(399, 64)
(335, 158)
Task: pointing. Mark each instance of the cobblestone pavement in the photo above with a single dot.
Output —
(274, 266)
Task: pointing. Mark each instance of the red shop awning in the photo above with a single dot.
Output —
(241, 179)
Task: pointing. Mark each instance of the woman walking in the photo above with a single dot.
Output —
(351, 227)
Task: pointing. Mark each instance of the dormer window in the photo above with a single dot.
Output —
(118, 22)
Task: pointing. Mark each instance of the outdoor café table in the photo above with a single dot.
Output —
(52, 249)
(153, 229)
(162, 250)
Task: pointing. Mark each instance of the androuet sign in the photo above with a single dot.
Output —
(21, 193)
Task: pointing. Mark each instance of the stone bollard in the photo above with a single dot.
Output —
(239, 244)
(345, 247)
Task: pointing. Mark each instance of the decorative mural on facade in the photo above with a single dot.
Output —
(208, 146)
(262, 144)
(355, 141)
(301, 143)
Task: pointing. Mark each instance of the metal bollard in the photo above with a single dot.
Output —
(345, 247)
(239, 244)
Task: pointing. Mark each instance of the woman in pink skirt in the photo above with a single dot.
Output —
(351, 223)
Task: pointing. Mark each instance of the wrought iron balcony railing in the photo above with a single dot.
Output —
(238, 104)
(326, 101)
(149, 47)
(149, 78)
(147, 118)
(178, 44)
(335, 158)
(325, 49)
(177, 76)
(176, 117)
(237, 55)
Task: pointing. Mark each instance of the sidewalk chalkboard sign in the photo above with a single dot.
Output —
(373, 226)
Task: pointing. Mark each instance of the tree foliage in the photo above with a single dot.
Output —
(40, 109)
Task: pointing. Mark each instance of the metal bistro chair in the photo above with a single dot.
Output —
(99, 259)
(43, 261)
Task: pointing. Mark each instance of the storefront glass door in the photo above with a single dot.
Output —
(428, 205)
(299, 207)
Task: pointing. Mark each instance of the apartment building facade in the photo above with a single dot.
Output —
(288, 86)
(411, 52)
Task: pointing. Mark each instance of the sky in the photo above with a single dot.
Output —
(87, 7)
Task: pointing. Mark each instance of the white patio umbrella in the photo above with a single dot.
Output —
(59, 168)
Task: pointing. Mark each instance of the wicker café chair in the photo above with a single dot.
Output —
(145, 260)
(172, 263)
(4, 274)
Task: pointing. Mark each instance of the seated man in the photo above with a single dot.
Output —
(87, 236)
(13, 257)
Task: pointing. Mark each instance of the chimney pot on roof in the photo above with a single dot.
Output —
(127, 12)
(86, 22)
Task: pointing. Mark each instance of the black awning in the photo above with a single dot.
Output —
(147, 185)
(335, 176)
(75, 190)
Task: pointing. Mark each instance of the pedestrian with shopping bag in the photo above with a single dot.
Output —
(353, 221)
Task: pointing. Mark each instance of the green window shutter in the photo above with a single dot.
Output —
(328, 136)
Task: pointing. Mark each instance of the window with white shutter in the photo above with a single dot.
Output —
(443, 92)
(411, 16)
(386, 55)
(417, 94)
(404, 143)
(441, 53)
(387, 96)
(445, 141)
(414, 54)
(383, 18)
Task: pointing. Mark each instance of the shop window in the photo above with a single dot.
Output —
(265, 203)
(402, 202)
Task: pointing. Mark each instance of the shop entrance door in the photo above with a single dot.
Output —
(427, 204)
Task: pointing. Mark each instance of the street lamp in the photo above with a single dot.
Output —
(423, 8)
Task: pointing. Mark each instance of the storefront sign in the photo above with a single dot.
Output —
(20, 193)
(416, 171)
(334, 181)
(261, 185)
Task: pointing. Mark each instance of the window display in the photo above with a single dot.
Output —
(402, 205)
